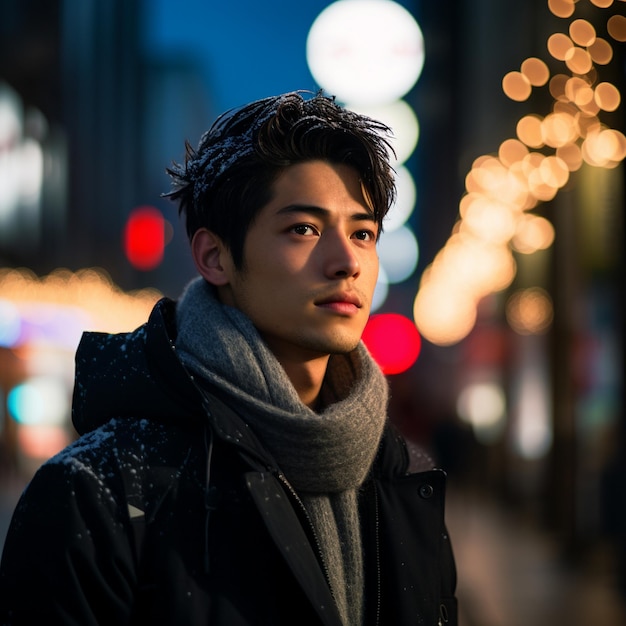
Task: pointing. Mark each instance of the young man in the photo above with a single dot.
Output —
(235, 464)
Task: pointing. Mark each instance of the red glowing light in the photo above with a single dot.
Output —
(144, 238)
(393, 341)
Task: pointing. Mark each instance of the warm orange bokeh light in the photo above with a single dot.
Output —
(92, 290)
(489, 220)
(602, 4)
(502, 189)
(604, 148)
(582, 33)
(601, 51)
(444, 315)
(533, 233)
(617, 27)
(587, 124)
(529, 131)
(536, 71)
(578, 91)
(559, 129)
(511, 151)
(516, 86)
(529, 311)
(607, 96)
(578, 60)
(557, 86)
(559, 46)
(561, 8)
(570, 155)
(554, 171)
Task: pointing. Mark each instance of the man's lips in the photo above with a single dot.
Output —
(346, 303)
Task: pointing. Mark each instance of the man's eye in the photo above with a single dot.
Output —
(365, 235)
(303, 229)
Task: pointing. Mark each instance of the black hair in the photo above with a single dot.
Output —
(225, 182)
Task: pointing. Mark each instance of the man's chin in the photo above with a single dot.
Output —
(345, 346)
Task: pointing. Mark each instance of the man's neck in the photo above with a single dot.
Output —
(307, 377)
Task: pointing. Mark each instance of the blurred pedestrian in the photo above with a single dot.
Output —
(236, 464)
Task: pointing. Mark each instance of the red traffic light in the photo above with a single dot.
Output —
(144, 238)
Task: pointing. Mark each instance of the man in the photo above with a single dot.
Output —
(235, 464)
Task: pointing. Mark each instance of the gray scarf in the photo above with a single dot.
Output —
(325, 456)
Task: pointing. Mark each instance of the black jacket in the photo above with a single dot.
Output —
(169, 511)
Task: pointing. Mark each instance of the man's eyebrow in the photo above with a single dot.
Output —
(359, 216)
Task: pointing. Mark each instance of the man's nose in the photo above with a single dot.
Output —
(341, 260)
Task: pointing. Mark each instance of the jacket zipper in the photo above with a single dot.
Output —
(316, 541)
(377, 551)
(443, 615)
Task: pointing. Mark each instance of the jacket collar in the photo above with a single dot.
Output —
(138, 375)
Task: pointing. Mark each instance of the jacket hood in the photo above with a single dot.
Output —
(133, 374)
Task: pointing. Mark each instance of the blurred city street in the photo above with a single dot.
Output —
(510, 574)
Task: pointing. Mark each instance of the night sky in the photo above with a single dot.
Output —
(248, 49)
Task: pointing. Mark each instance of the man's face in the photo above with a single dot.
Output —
(310, 263)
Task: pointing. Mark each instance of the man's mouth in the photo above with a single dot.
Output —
(343, 303)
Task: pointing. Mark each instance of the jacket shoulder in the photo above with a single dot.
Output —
(397, 456)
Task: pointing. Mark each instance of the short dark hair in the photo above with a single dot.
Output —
(225, 182)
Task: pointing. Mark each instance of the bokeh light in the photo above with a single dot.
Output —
(444, 313)
(531, 431)
(516, 86)
(42, 441)
(578, 60)
(511, 151)
(529, 311)
(10, 324)
(559, 46)
(616, 26)
(144, 238)
(582, 32)
(533, 233)
(393, 342)
(536, 71)
(365, 51)
(398, 253)
(88, 297)
(382, 289)
(495, 218)
(529, 131)
(602, 4)
(601, 51)
(561, 8)
(483, 405)
(406, 195)
(607, 96)
(401, 118)
(39, 401)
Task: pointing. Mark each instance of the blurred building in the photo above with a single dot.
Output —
(101, 110)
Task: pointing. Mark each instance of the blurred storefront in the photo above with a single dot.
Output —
(41, 322)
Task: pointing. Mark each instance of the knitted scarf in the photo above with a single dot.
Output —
(324, 456)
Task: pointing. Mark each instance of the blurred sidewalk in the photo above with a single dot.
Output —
(510, 574)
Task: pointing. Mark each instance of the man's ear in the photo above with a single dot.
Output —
(211, 256)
